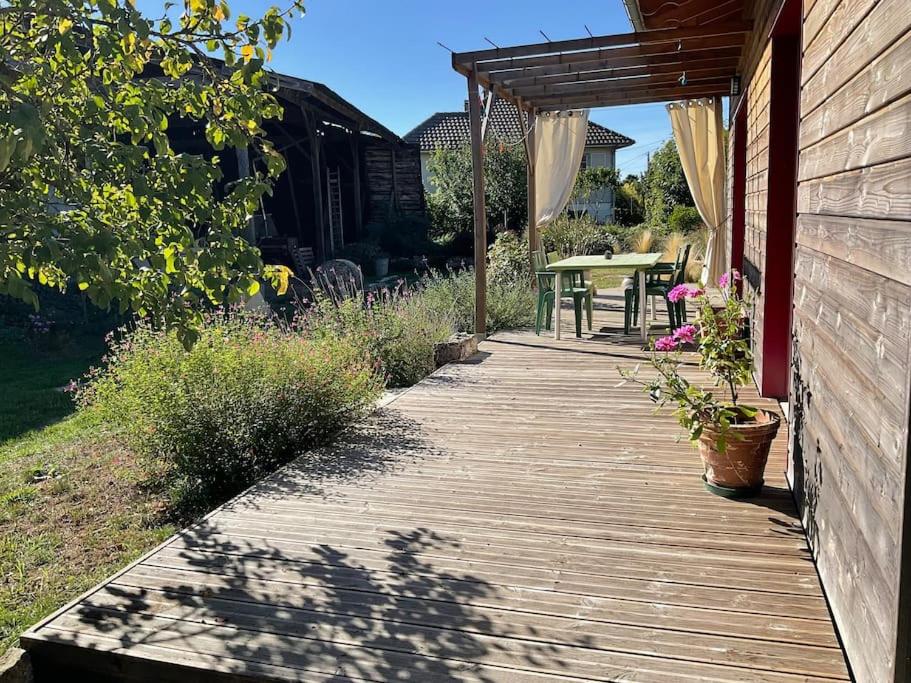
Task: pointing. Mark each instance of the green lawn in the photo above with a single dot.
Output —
(606, 279)
(74, 504)
(33, 375)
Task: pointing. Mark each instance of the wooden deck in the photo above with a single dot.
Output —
(517, 517)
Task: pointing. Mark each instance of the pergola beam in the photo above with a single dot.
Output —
(579, 60)
(647, 97)
(674, 57)
(577, 100)
(619, 85)
(633, 67)
(467, 59)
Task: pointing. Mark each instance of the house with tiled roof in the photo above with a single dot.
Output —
(449, 130)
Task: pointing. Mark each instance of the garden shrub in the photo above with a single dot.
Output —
(684, 219)
(510, 304)
(249, 396)
(507, 258)
(577, 236)
(624, 236)
(397, 328)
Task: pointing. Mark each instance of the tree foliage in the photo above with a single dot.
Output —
(450, 204)
(664, 185)
(92, 194)
(505, 185)
(628, 205)
(591, 180)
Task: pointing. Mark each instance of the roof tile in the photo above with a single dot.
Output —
(450, 130)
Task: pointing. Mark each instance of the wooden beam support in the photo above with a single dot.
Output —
(355, 142)
(694, 67)
(583, 60)
(316, 170)
(395, 179)
(472, 60)
(297, 217)
(648, 98)
(527, 128)
(488, 108)
(480, 211)
(536, 75)
(623, 85)
(648, 93)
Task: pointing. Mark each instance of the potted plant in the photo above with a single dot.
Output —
(733, 439)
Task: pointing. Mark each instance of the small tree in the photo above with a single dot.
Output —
(628, 206)
(590, 181)
(91, 192)
(451, 204)
(664, 186)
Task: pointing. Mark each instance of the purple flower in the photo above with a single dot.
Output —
(685, 334)
(666, 344)
(684, 292)
(729, 277)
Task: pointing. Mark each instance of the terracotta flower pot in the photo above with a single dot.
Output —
(739, 470)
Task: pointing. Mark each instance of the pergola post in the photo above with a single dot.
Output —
(528, 136)
(480, 211)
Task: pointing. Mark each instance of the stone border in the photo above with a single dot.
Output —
(457, 348)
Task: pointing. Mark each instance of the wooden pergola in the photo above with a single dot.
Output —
(648, 66)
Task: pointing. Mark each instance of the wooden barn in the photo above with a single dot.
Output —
(345, 170)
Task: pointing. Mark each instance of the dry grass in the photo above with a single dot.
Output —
(644, 242)
(674, 242)
(693, 268)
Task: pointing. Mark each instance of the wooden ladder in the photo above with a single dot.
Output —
(334, 191)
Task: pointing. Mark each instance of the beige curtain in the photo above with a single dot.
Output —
(559, 145)
(699, 134)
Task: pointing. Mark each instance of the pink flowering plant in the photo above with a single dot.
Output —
(723, 352)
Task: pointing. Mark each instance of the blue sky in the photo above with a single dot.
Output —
(384, 57)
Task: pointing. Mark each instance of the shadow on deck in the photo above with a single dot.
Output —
(517, 517)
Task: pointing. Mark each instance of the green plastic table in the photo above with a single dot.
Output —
(623, 262)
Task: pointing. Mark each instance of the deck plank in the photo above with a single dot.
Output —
(516, 517)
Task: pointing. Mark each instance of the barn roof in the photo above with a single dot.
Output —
(450, 130)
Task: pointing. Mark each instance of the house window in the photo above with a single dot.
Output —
(586, 161)
(598, 159)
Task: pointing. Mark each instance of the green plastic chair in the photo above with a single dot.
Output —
(659, 280)
(546, 300)
(577, 280)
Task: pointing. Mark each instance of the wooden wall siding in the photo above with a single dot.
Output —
(853, 35)
(852, 318)
(757, 185)
(382, 177)
(729, 197)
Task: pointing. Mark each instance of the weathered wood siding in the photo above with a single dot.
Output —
(757, 193)
(852, 314)
(756, 85)
(393, 178)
